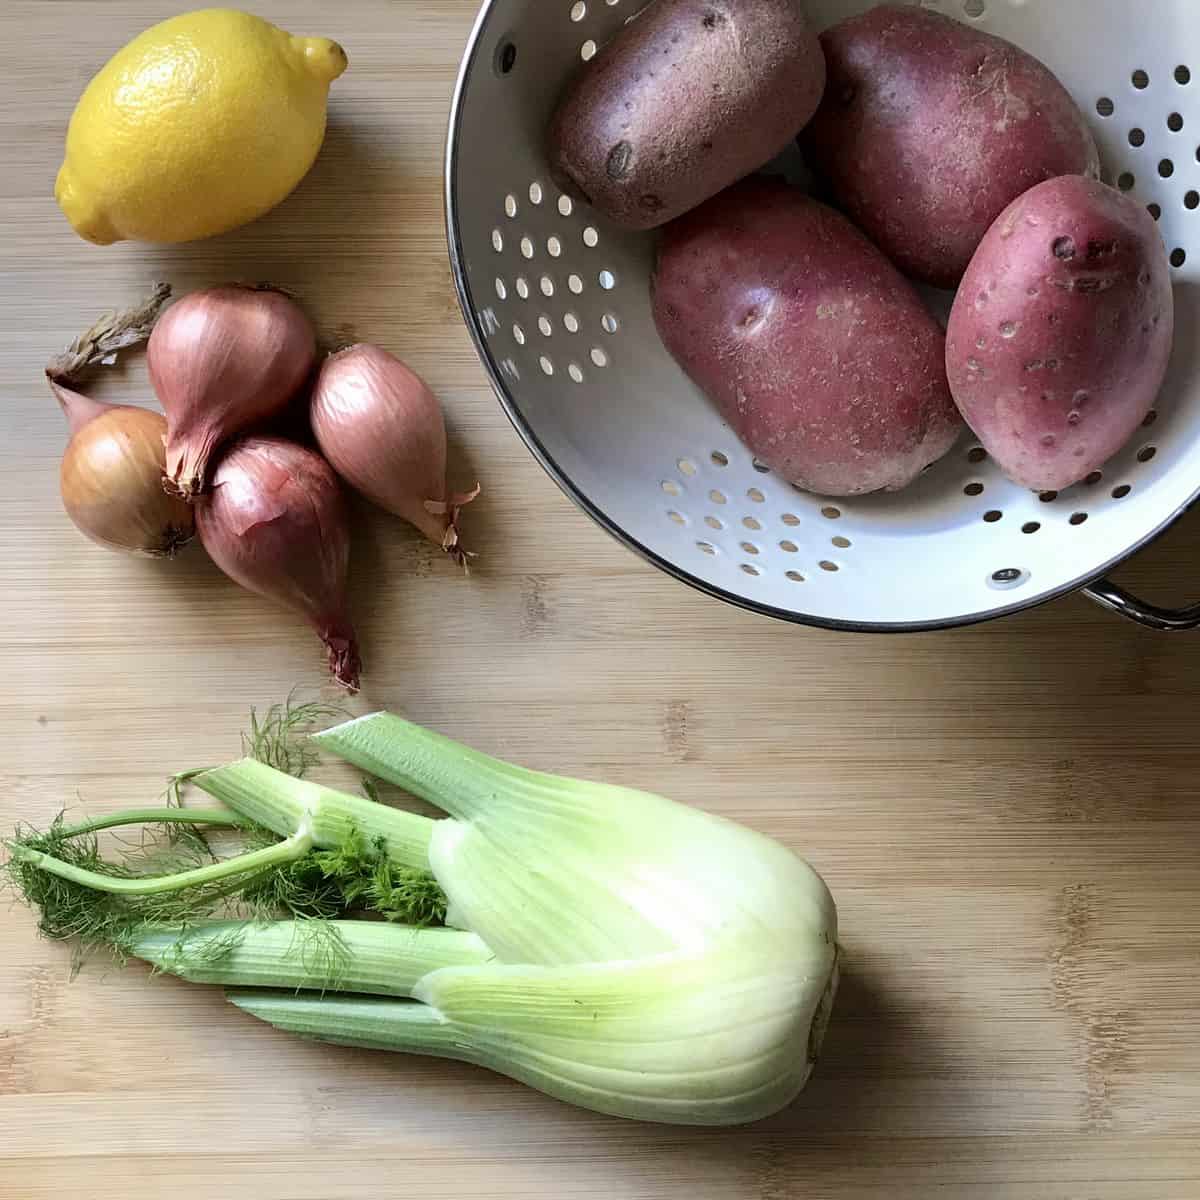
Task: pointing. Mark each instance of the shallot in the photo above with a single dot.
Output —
(111, 473)
(222, 360)
(111, 477)
(382, 429)
(275, 522)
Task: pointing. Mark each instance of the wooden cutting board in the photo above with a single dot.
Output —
(1009, 816)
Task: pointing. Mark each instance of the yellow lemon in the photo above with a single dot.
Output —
(198, 125)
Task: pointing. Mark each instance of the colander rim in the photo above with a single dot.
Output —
(548, 463)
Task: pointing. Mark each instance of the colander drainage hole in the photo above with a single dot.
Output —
(677, 517)
(686, 466)
(992, 516)
(790, 519)
(546, 365)
(1183, 76)
(587, 52)
(575, 284)
(510, 206)
(1137, 137)
(522, 287)
(1047, 497)
(1105, 107)
(1093, 479)
(752, 523)
(706, 548)
(570, 322)
(1191, 201)
(607, 280)
(719, 459)
(527, 247)
(755, 495)
(671, 487)
(518, 335)
(591, 239)
(830, 513)
(609, 323)
(506, 58)
(1178, 256)
(1175, 122)
(749, 547)
(1166, 168)
(794, 576)
(497, 241)
(535, 192)
(750, 569)
(1154, 210)
(566, 206)
(501, 290)
(789, 547)
(1031, 527)
(1008, 578)
(598, 357)
(1078, 518)
(1119, 493)
(973, 489)
(1140, 80)
(578, 10)
(544, 325)
(714, 522)
(976, 454)
(841, 543)
(826, 565)
(1126, 181)
(717, 497)
(974, 8)
(1151, 417)
(576, 372)
(1146, 453)
(547, 286)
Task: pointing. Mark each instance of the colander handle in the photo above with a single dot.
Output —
(1108, 595)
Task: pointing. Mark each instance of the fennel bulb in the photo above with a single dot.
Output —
(609, 947)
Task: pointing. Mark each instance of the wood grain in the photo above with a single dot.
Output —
(1009, 815)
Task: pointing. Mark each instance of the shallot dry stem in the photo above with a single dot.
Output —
(111, 334)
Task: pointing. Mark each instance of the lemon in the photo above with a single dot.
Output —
(198, 125)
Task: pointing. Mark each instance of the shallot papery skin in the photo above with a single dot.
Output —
(275, 521)
(222, 360)
(382, 428)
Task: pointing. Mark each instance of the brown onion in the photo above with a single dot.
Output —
(111, 478)
(382, 429)
(275, 522)
(222, 360)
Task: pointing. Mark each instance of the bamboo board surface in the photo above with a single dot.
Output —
(1009, 816)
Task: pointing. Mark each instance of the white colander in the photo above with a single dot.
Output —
(558, 304)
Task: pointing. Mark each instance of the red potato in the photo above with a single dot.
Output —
(930, 128)
(1060, 334)
(816, 350)
(685, 100)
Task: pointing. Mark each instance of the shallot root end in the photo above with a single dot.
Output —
(175, 537)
